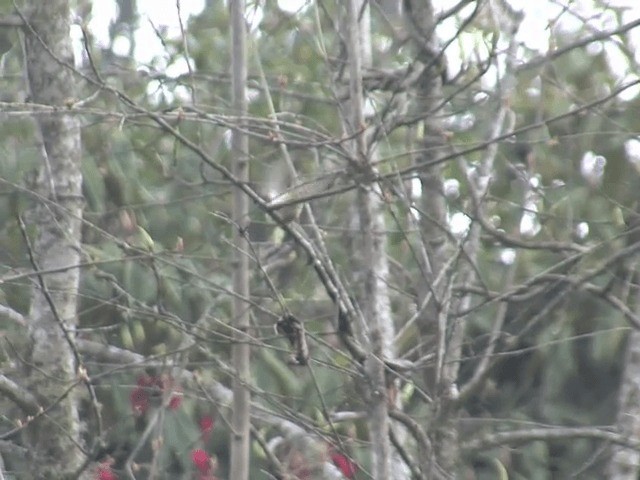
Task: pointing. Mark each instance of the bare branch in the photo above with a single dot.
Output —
(11, 21)
(540, 61)
(20, 396)
(548, 434)
(12, 315)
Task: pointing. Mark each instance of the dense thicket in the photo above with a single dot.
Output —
(441, 240)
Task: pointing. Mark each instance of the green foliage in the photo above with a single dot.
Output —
(157, 249)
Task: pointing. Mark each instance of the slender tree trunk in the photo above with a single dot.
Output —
(435, 294)
(434, 248)
(56, 220)
(374, 299)
(624, 463)
(241, 351)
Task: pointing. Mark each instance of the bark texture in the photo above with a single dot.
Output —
(434, 247)
(441, 255)
(373, 268)
(240, 422)
(625, 462)
(56, 219)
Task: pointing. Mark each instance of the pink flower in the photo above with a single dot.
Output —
(344, 464)
(105, 472)
(206, 425)
(201, 460)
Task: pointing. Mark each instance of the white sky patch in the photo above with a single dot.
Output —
(632, 150)
(630, 93)
(595, 48)
(507, 256)
(291, 6)
(252, 94)
(634, 34)
(121, 45)
(182, 94)
(227, 136)
(416, 188)
(534, 31)
(103, 13)
(529, 224)
(480, 97)
(534, 181)
(490, 79)
(582, 230)
(149, 49)
(369, 108)
(77, 44)
(616, 60)
(459, 224)
(533, 92)
(179, 67)
(383, 43)
(541, 21)
(451, 188)
(254, 16)
(592, 167)
(156, 91)
(163, 14)
(608, 20)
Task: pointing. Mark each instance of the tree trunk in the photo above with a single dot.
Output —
(374, 268)
(56, 219)
(449, 329)
(240, 215)
(434, 248)
(625, 462)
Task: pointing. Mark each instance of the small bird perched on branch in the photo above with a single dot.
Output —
(293, 329)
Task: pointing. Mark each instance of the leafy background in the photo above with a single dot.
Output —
(145, 192)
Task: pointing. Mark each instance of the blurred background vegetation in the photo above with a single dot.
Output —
(157, 235)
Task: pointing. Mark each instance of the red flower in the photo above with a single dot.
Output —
(140, 396)
(175, 401)
(105, 472)
(344, 464)
(149, 381)
(206, 425)
(149, 387)
(139, 400)
(201, 460)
